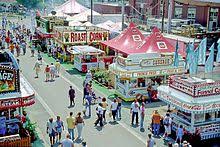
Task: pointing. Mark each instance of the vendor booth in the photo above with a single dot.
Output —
(78, 35)
(196, 104)
(44, 28)
(86, 57)
(132, 76)
(128, 40)
(15, 93)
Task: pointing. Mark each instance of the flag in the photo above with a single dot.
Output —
(189, 54)
(176, 56)
(202, 51)
(193, 65)
(210, 61)
(218, 54)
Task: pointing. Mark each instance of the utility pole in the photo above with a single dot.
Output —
(122, 14)
(169, 16)
(91, 11)
(162, 26)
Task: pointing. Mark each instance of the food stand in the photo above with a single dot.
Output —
(15, 93)
(86, 57)
(79, 35)
(132, 75)
(45, 25)
(196, 102)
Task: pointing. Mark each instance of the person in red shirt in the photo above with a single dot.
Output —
(47, 72)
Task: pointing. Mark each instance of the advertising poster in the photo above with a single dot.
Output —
(7, 80)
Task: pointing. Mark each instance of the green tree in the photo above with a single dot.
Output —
(31, 3)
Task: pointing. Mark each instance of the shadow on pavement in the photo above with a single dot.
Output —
(38, 143)
(113, 123)
(98, 128)
(74, 71)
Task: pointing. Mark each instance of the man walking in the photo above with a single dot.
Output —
(71, 96)
(70, 120)
(37, 69)
(51, 130)
(134, 111)
(67, 142)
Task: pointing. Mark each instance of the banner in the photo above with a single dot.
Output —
(218, 54)
(189, 54)
(202, 51)
(210, 61)
(193, 65)
(176, 57)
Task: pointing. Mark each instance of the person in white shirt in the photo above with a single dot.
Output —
(114, 108)
(67, 142)
(99, 111)
(51, 130)
(134, 111)
(167, 122)
(52, 71)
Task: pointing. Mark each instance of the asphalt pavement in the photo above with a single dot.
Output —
(52, 100)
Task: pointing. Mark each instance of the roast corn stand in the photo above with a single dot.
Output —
(132, 75)
(15, 93)
(67, 36)
(196, 104)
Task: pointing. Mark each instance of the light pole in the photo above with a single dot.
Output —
(162, 26)
(169, 16)
(91, 7)
(122, 13)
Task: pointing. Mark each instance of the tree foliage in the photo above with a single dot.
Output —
(31, 3)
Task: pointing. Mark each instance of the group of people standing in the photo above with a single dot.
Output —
(55, 129)
(51, 71)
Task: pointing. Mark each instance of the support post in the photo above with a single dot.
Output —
(91, 11)
(169, 16)
(162, 26)
(122, 13)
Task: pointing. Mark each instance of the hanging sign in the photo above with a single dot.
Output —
(97, 36)
(156, 62)
(74, 37)
(7, 79)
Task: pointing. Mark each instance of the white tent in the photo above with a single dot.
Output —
(74, 23)
(87, 24)
(70, 7)
(83, 16)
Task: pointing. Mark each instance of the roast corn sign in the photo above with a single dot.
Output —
(85, 37)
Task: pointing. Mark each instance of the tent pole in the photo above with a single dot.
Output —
(122, 12)
(91, 7)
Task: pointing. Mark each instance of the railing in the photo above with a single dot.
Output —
(23, 142)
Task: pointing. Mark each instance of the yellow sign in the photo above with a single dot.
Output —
(156, 62)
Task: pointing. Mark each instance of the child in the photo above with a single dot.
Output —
(47, 72)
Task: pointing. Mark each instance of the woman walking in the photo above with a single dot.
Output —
(114, 107)
(104, 106)
(59, 128)
(79, 125)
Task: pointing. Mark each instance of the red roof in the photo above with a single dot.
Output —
(156, 43)
(127, 41)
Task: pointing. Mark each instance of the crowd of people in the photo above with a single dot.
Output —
(16, 38)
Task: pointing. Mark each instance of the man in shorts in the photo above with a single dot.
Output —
(51, 130)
